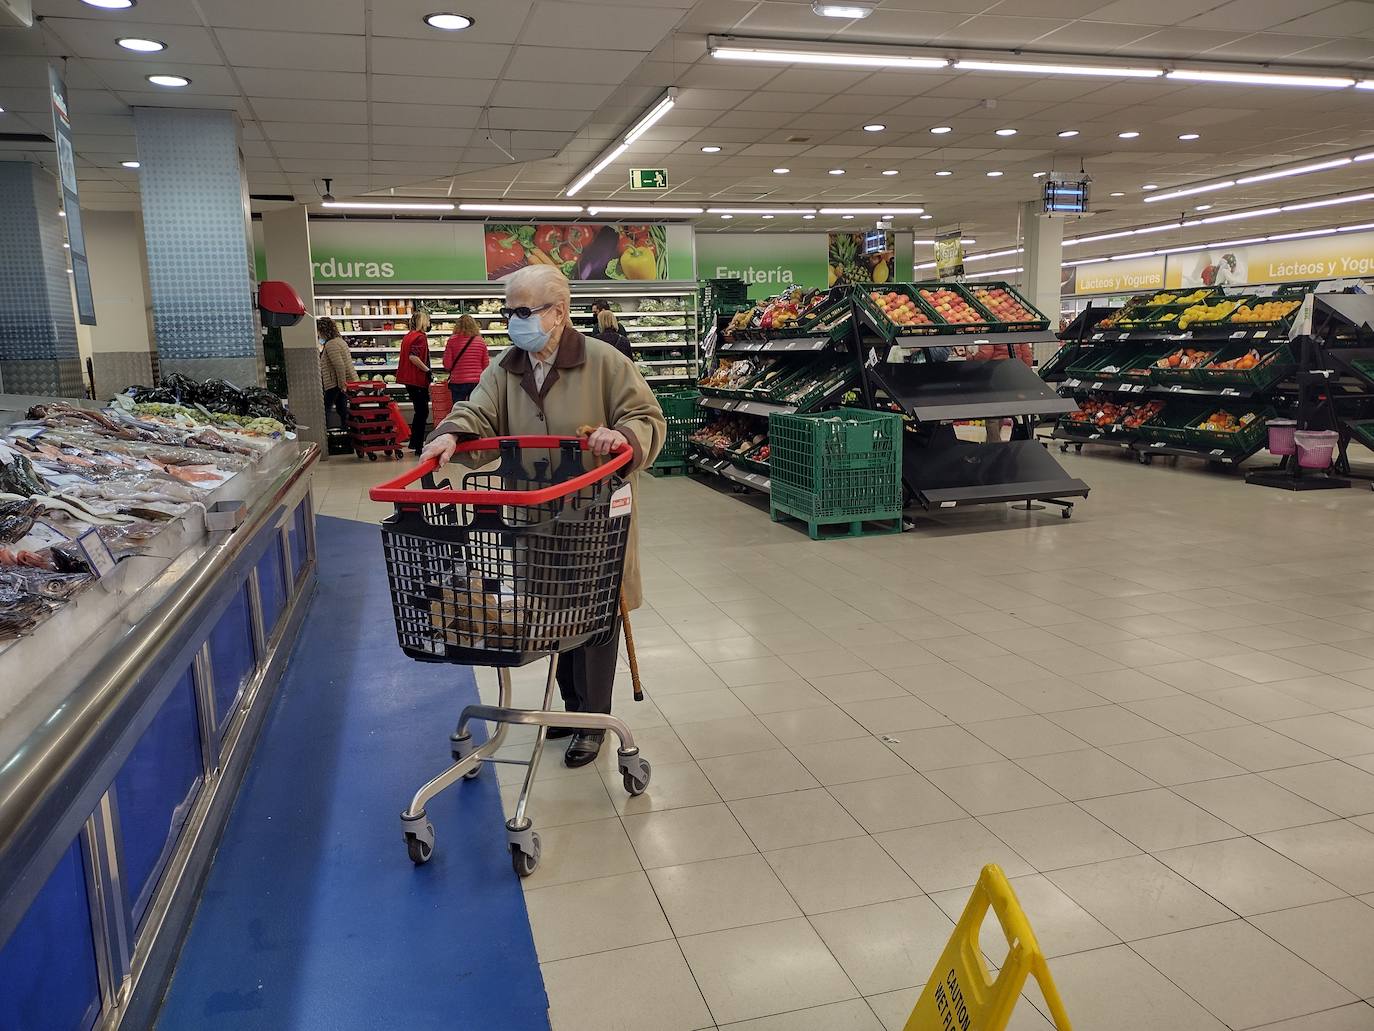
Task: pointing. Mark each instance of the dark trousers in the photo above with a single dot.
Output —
(586, 675)
(460, 391)
(337, 399)
(419, 425)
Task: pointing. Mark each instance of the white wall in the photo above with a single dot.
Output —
(114, 248)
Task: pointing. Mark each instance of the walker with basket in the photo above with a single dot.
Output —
(523, 562)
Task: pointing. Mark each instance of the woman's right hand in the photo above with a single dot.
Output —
(441, 447)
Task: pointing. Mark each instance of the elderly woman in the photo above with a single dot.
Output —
(553, 380)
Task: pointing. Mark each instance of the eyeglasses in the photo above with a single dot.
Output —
(523, 313)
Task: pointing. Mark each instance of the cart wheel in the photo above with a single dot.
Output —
(1066, 513)
(472, 773)
(418, 848)
(372, 456)
(524, 863)
(635, 786)
(1143, 458)
(1078, 449)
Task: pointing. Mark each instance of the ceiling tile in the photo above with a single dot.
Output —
(599, 27)
(91, 37)
(130, 75)
(537, 95)
(177, 12)
(1337, 20)
(421, 115)
(447, 58)
(494, 21)
(548, 64)
(285, 110)
(306, 85)
(346, 16)
(312, 51)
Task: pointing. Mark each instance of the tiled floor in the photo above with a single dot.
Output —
(1157, 716)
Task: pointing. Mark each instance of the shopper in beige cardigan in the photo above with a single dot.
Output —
(336, 368)
(553, 381)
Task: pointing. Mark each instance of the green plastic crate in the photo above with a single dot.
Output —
(837, 467)
(1171, 425)
(1273, 367)
(684, 416)
(1242, 439)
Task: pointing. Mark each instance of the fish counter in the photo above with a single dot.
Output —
(156, 559)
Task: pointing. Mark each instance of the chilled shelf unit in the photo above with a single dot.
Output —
(804, 363)
(659, 319)
(915, 341)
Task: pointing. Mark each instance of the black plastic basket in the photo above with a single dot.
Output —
(522, 561)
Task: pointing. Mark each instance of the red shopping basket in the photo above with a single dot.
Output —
(524, 560)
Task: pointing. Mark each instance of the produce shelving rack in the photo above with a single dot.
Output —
(939, 469)
(365, 343)
(836, 339)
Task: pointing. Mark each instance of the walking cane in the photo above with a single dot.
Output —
(630, 649)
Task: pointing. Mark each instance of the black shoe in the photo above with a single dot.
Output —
(584, 748)
(554, 733)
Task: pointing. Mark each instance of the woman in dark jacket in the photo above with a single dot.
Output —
(608, 329)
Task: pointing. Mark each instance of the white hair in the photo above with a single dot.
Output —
(544, 281)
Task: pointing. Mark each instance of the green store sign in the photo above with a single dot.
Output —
(767, 262)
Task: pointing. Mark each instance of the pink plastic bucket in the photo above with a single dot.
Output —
(1315, 447)
(1281, 436)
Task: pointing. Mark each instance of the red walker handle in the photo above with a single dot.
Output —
(396, 492)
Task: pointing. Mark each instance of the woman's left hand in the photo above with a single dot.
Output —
(603, 441)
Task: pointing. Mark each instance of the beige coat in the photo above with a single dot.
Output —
(336, 364)
(591, 384)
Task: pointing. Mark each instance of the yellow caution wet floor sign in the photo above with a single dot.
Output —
(961, 994)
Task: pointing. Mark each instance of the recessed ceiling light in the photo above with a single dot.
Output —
(1129, 134)
(926, 218)
(1150, 186)
(940, 130)
(129, 164)
(837, 171)
(448, 22)
(768, 216)
(710, 150)
(846, 216)
(993, 175)
(141, 46)
(1039, 175)
(1066, 133)
(1188, 135)
(1118, 195)
(850, 11)
(170, 81)
(781, 171)
(808, 217)
(1006, 132)
(874, 127)
(727, 216)
(110, 5)
(889, 171)
(1203, 207)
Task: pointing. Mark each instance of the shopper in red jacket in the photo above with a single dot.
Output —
(465, 358)
(413, 370)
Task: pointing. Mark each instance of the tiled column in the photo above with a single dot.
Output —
(286, 238)
(200, 252)
(38, 352)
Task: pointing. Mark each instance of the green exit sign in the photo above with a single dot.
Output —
(648, 178)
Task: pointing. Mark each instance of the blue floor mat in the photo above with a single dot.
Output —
(313, 917)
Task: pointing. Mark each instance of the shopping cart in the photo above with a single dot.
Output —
(375, 424)
(523, 562)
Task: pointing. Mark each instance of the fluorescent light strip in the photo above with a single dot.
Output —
(760, 211)
(644, 209)
(1283, 173)
(650, 118)
(1260, 78)
(385, 205)
(1237, 215)
(1189, 191)
(1117, 72)
(872, 211)
(524, 209)
(1327, 202)
(836, 58)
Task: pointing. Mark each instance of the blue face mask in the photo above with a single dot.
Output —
(528, 334)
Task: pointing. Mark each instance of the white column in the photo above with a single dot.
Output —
(1043, 243)
(286, 240)
(121, 349)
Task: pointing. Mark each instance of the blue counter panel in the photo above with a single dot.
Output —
(271, 585)
(47, 968)
(299, 543)
(232, 656)
(155, 789)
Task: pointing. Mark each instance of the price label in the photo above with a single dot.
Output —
(1238, 334)
(1093, 436)
(1111, 370)
(1176, 388)
(1230, 392)
(1159, 443)
(1097, 385)
(1071, 383)
(96, 552)
(26, 432)
(791, 344)
(1097, 336)
(1261, 334)
(1124, 336)
(1218, 451)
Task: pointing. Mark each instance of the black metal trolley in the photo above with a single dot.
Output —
(523, 562)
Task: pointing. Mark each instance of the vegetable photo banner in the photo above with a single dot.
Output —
(583, 251)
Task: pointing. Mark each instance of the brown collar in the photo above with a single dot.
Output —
(572, 351)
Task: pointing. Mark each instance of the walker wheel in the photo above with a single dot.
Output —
(633, 785)
(524, 863)
(418, 848)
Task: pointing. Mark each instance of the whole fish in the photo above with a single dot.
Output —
(50, 586)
